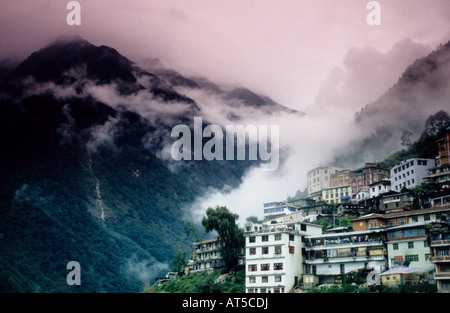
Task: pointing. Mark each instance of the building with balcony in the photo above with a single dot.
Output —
(275, 256)
(407, 246)
(206, 256)
(439, 241)
(336, 254)
(279, 208)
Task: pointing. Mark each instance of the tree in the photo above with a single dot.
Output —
(405, 139)
(231, 237)
(179, 261)
(436, 122)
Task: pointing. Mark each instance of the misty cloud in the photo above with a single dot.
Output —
(144, 270)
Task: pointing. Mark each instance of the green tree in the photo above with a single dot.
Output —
(436, 122)
(231, 237)
(179, 261)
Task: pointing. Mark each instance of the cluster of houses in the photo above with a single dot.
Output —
(393, 239)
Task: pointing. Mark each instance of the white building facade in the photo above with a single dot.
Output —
(409, 174)
(275, 255)
(318, 179)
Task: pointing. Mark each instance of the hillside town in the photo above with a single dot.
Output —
(393, 237)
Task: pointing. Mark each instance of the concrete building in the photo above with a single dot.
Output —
(410, 173)
(336, 194)
(318, 179)
(380, 187)
(274, 256)
(441, 172)
(407, 246)
(360, 179)
(340, 178)
(279, 208)
(206, 256)
(332, 255)
(439, 239)
(397, 276)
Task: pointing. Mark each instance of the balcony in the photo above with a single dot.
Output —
(440, 258)
(442, 275)
(346, 259)
(345, 244)
(440, 243)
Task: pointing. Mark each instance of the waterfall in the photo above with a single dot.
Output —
(98, 200)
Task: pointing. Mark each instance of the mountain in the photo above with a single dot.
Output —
(422, 90)
(87, 174)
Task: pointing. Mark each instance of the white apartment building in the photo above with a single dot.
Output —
(407, 246)
(279, 208)
(409, 174)
(318, 179)
(274, 256)
(379, 187)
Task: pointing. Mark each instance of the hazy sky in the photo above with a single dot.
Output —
(305, 54)
(283, 48)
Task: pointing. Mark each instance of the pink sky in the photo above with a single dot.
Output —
(285, 49)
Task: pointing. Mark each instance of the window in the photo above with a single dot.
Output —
(402, 221)
(252, 279)
(412, 258)
(395, 234)
(411, 245)
(265, 238)
(410, 232)
(278, 266)
(263, 290)
(443, 253)
(265, 279)
(265, 250)
(252, 268)
(252, 251)
(426, 217)
(415, 219)
(277, 237)
(291, 237)
(278, 278)
(251, 239)
(395, 246)
(277, 249)
(291, 250)
(265, 267)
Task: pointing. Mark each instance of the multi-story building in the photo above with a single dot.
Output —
(279, 208)
(407, 246)
(336, 194)
(410, 173)
(206, 256)
(441, 172)
(331, 255)
(443, 159)
(274, 256)
(340, 178)
(439, 240)
(378, 188)
(360, 179)
(318, 179)
(396, 200)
